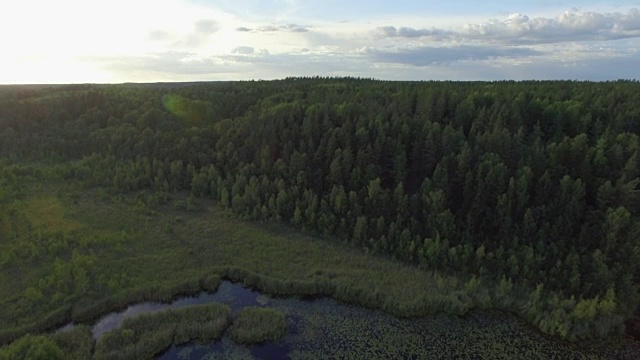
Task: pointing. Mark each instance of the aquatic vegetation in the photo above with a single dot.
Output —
(145, 336)
(327, 329)
(333, 331)
(32, 348)
(257, 325)
(162, 293)
(76, 343)
(49, 321)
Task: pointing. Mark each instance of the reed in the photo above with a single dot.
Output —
(147, 335)
(257, 325)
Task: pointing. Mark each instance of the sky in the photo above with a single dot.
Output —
(115, 41)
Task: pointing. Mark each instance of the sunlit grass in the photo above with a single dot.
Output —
(49, 213)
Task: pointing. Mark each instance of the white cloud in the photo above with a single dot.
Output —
(158, 35)
(407, 32)
(199, 35)
(274, 28)
(431, 55)
(206, 26)
(518, 29)
(243, 50)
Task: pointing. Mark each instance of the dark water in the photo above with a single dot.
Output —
(227, 349)
(327, 329)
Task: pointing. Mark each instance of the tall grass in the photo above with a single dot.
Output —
(76, 344)
(147, 335)
(257, 325)
(163, 293)
(32, 348)
(57, 318)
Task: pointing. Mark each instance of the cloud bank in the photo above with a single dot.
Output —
(520, 29)
(274, 28)
(431, 55)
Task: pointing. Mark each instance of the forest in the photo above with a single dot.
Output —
(516, 185)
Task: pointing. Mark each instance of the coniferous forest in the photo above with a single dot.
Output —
(527, 188)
